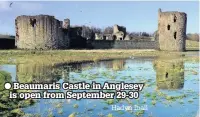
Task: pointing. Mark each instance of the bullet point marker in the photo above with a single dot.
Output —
(7, 85)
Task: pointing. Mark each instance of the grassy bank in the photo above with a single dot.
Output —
(192, 44)
(53, 57)
(67, 56)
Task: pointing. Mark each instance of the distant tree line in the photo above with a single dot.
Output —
(194, 37)
(138, 34)
(88, 32)
(7, 36)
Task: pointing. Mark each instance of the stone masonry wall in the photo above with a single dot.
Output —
(119, 32)
(126, 44)
(7, 43)
(172, 30)
(39, 32)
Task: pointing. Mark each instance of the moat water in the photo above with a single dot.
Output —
(174, 95)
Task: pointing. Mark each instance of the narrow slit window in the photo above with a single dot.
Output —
(166, 75)
(175, 18)
(168, 27)
(174, 35)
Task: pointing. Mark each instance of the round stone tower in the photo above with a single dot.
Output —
(172, 30)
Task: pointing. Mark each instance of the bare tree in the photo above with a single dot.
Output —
(89, 32)
(108, 30)
(134, 34)
(86, 32)
(96, 30)
(145, 34)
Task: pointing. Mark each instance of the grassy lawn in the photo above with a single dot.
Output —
(192, 44)
(53, 57)
(66, 56)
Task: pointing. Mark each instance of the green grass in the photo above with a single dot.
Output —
(66, 56)
(190, 45)
(53, 57)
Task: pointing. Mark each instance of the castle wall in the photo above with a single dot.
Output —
(172, 30)
(76, 40)
(115, 29)
(46, 32)
(126, 44)
(39, 32)
(7, 43)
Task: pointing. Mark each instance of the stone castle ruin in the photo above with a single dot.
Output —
(39, 32)
(46, 32)
(119, 32)
(172, 30)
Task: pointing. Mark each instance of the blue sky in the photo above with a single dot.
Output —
(135, 16)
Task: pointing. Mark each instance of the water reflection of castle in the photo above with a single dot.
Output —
(113, 64)
(34, 73)
(169, 74)
(116, 65)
